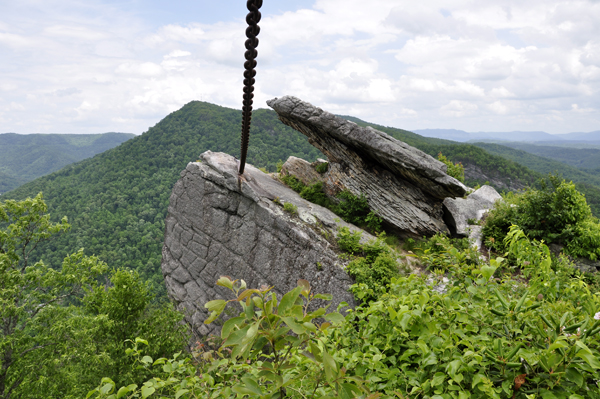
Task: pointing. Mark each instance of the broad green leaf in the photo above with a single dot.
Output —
(316, 351)
(330, 367)
(589, 359)
(438, 379)
(557, 344)
(288, 300)
(213, 316)
(147, 360)
(124, 391)
(583, 346)
(230, 325)
(107, 388)
(252, 332)
(225, 281)
(547, 394)
(574, 376)
(296, 327)
(252, 385)
(181, 392)
(335, 318)
(488, 271)
(325, 297)
(147, 391)
(216, 306)
(236, 337)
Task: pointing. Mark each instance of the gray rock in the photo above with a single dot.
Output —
(458, 211)
(403, 185)
(219, 224)
(587, 265)
(301, 169)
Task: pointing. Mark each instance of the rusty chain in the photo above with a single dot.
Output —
(252, 31)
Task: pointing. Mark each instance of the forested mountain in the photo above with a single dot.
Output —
(117, 201)
(24, 157)
(515, 136)
(581, 158)
(587, 183)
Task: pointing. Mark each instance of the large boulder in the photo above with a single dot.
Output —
(458, 211)
(221, 224)
(403, 185)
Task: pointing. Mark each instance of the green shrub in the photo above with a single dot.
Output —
(353, 209)
(449, 255)
(374, 266)
(322, 167)
(349, 241)
(455, 170)
(556, 213)
(290, 208)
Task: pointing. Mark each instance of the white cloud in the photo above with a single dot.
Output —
(93, 66)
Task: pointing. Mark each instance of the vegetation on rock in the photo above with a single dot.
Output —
(489, 334)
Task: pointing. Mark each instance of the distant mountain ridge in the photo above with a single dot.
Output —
(25, 157)
(519, 136)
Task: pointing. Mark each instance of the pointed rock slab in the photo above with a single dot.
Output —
(403, 185)
(219, 224)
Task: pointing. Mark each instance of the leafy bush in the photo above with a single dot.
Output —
(349, 241)
(374, 266)
(278, 349)
(556, 213)
(455, 170)
(483, 338)
(448, 255)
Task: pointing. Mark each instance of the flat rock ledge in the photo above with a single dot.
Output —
(403, 185)
(219, 224)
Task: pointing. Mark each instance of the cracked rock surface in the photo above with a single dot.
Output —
(403, 185)
(219, 225)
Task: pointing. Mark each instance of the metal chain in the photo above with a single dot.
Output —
(252, 31)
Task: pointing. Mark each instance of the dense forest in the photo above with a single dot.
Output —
(24, 157)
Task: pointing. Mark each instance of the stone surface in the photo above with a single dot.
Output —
(403, 185)
(218, 225)
(584, 265)
(458, 211)
(303, 170)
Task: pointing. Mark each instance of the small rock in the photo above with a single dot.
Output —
(458, 211)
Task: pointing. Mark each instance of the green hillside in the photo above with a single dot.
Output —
(24, 157)
(587, 183)
(581, 158)
(117, 201)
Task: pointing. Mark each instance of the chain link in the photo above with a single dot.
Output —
(253, 18)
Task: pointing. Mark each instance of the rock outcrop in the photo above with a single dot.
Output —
(403, 185)
(220, 224)
(458, 211)
(301, 169)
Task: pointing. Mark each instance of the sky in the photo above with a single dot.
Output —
(93, 66)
